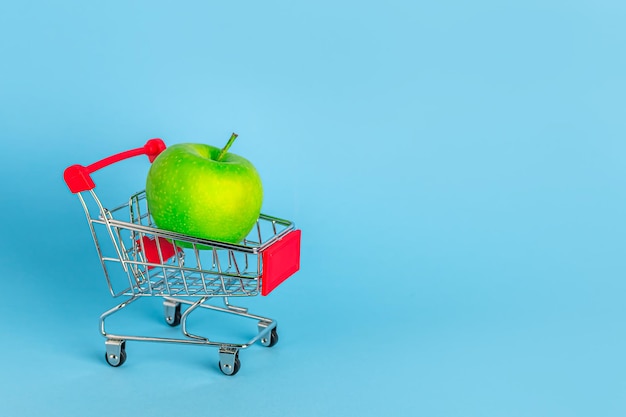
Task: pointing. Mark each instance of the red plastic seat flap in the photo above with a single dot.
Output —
(152, 253)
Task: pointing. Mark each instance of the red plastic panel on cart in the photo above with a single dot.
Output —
(280, 261)
(166, 248)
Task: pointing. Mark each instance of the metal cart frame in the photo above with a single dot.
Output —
(139, 260)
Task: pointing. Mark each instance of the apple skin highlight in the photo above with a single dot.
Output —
(190, 192)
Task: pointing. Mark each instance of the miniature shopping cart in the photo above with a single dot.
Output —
(140, 260)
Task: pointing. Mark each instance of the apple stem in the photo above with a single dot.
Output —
(225, 148)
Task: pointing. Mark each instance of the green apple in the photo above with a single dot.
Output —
(203, 191)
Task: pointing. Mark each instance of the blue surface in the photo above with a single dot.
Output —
(457, 170)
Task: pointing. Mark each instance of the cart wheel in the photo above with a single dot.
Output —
(230, 370)
(115, 354)
(272, 340)
(172, 313)
(229, 362)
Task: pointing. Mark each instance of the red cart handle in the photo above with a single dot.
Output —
(78, 177)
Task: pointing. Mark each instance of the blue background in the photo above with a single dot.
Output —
(456, 169)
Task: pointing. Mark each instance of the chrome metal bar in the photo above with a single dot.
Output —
(268, 323)
(183, 319)
(114, 310)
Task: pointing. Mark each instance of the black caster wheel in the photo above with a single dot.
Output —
(271, 340)
(172, 314)
(230, 366)
(116, 353)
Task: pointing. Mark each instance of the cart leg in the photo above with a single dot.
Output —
(240, 310)
(184, 316)
(113, 311)
(229, 360)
